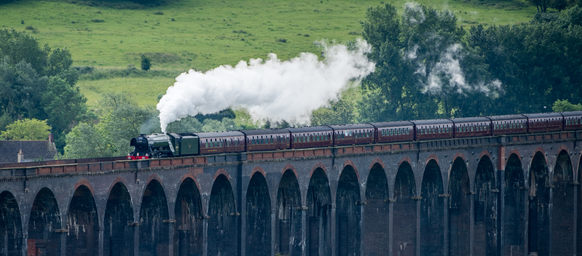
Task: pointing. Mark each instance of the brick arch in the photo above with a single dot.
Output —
(86, 183)
(374, 162)
(450, 169)
(259, 170)
(350, 164)
(321, 166)
(81, 182)
(432, 157)
(561, 149)
(544, 154)
(193, 178)
(515, 152)
(115, 216)
(114, 182)
(56, 221)
(405, 159)
(377, 161)
(289, 167)
(219, 172)
(485, 153)
(157, 178)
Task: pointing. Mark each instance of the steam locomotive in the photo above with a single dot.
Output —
(183, 144)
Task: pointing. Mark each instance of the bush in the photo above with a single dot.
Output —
(145, 63)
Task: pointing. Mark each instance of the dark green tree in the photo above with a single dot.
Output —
(421, 63)
(62, 114)
(145, 63)
(37, 82)
(537, 63)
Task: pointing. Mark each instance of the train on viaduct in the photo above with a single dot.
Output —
(515, 194)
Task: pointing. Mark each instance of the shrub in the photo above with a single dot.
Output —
(145, 63)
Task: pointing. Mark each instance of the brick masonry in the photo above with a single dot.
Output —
(508, 195)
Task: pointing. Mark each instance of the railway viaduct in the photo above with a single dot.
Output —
(505, 195)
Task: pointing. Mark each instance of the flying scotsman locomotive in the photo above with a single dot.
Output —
(183, 144)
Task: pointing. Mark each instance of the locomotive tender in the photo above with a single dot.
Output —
(183, 144)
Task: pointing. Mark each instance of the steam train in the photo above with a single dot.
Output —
(183, 144)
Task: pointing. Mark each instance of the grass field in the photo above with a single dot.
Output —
(203, 34)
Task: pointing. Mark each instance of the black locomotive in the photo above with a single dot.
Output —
(173, 144)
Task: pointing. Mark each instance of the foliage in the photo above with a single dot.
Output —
(341, 111)
(538, 63)
(38, 82)
(145, 63)
(420, 63)
(26, 129)
(86, 141)
(120, 119)
(565, 105)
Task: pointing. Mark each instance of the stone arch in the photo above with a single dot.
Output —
(318, 240)
(188, 233)
(82, 223)
(44, 222)
(432, 211)
(459, 208)
(348, 213)
(118, 222)
(376, 212)
(10, 225)
(562, 229)
(154, 221)
(288, 216)
(258, 216)
(404, 212)
(539, 202)
(223, 220)
(485, 209)
(514, 199)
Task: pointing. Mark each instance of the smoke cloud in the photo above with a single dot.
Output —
(445, 74)
(269, 89)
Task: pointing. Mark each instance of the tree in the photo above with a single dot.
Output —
(537, 63)
(565, 105)
(145, 63)
(21, 47)
(421, 59)
(340, 112)
(85, 141)
(120, 120)
(27, 129)
(38, 82)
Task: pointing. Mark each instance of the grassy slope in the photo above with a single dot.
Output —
(203, 34)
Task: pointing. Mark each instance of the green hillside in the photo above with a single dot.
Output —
(203, 34)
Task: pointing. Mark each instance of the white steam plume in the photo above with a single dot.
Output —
(271, 89)
(446, 74)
